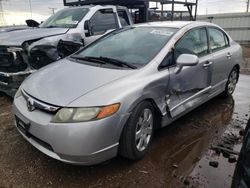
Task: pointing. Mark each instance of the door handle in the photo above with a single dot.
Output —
(229, 55)
(208, 64)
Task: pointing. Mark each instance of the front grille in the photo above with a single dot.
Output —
(5, 79)
(37, 140)
(11, 62)
(42, 143)
(6, 58)
(40, 105)
(24, 128)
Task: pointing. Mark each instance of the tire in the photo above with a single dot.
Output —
(231, 83)
(241, 177)
(140, 123)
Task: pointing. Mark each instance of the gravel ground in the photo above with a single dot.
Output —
(179, 156)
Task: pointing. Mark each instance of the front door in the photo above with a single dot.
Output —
(191, 85)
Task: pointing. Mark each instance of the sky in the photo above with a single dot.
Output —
(214, 6)
(17, 11)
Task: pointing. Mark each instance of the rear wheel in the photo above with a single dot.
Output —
(231, 83)
(138, 132)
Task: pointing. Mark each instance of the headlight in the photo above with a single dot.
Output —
(71, 115)
(14, 49)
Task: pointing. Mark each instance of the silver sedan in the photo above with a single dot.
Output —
(108, 98)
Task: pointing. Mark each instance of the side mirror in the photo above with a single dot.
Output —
(186, 60)
(32, 23)
(88, 28)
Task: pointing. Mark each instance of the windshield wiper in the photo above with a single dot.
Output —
(117, 62)
(105, 60)
(51, 26)
(89, 58)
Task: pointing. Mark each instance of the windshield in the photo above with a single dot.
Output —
(66, 18)
(136, 46)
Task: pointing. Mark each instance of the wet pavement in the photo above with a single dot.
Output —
(179, 156)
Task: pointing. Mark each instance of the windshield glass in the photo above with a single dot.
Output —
(66, 18)
(136, 46)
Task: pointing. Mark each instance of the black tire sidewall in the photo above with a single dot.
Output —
(130, 130)
(226, 93)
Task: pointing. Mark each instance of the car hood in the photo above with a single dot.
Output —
(16, 38)
(63, 82)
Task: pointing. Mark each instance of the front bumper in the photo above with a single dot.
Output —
(10, 82)
(84, 143)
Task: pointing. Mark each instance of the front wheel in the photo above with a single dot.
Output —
(231, 83)
(138, 132)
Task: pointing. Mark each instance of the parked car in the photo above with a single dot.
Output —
(23, 52)
(241, 178)
(108, 98)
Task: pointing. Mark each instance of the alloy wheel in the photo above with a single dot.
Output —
(232, 81)
(144, 130)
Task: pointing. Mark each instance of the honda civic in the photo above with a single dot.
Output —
(108, 98)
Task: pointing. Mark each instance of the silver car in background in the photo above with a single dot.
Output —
(108, 98)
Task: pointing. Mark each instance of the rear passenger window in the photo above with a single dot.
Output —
(123, 16)
(194, 42)
(102, 21)
(217, 39)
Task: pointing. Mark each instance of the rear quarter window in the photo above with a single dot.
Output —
(217, 39)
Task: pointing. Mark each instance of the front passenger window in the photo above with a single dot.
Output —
(102, 21)
(123, 17)
(194, 42)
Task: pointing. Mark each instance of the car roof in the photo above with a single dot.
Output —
(78, 7)
(173, 24)
(91, 6)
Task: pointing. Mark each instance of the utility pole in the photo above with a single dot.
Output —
(196, 8)
(53, 10)
(30, 9)
(172, 16)
(2, 20)
(248, 2)
(162, 10)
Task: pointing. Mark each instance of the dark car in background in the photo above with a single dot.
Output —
(241, 177)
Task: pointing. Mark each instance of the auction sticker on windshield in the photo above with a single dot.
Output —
(160, 32)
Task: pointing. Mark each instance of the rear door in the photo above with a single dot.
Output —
(192, 84)
(220, 48)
